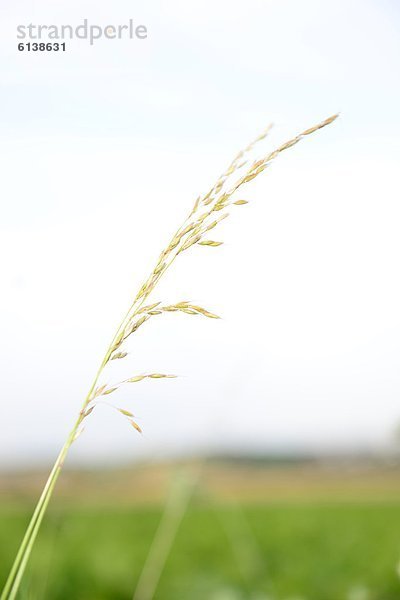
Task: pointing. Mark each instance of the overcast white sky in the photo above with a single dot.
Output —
(103, 148)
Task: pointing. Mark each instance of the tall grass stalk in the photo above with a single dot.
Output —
(245, 548)
(181, 492)
(206, 214)
(185, 483)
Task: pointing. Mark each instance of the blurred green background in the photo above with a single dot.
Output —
(245, 530)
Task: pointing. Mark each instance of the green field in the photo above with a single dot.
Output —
(250, 531)
(315, 551)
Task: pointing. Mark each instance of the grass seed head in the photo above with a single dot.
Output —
(186, 236)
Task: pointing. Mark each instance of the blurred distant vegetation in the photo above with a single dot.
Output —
(253, 530)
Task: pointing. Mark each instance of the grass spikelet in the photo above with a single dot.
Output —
(327, 121)
(148, 308)
(118, 355)
(202, 218)
(191, 309)
(149, 376)
(160, 267)
(210, 243)
(135, 326)
(125, 412)
(88, 412)
(109, 391)
(190, 242)
(135, 425)
(205, 312)
(137, 378)
(215, 223)
(98, 391)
